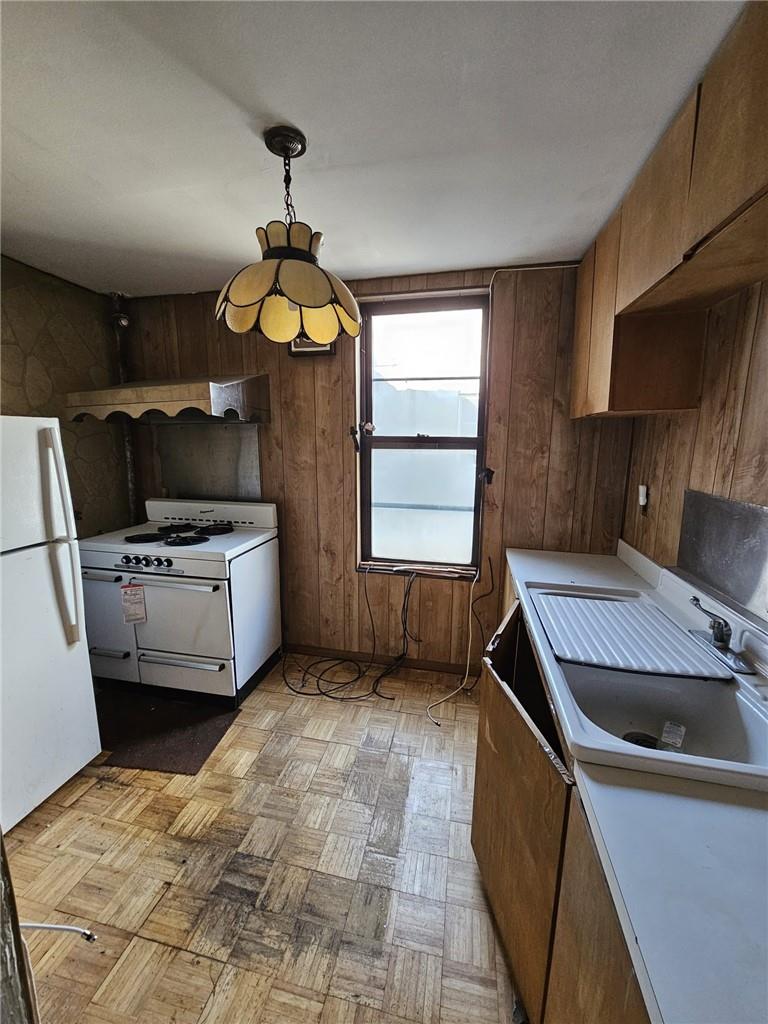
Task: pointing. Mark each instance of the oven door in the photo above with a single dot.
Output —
(186, 616)
(111, 642)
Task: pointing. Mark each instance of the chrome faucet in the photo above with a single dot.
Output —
(721, 628)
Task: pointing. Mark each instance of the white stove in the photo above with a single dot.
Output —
(189, 600)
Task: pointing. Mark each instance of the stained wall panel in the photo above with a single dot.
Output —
(56, 337)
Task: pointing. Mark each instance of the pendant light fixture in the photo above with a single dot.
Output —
(287, 296)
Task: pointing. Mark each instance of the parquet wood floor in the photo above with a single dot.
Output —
(317, 870)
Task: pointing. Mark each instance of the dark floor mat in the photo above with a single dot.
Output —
(158, 733)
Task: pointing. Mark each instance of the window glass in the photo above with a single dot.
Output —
(423, 504)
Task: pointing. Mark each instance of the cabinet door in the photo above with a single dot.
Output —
(730, 160)
(591, 979)
(603, 310)
(653, 211)
(581, 333)
(521, 800)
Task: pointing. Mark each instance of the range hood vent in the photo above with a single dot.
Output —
(223, 399)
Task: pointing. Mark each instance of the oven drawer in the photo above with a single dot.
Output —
(181, 672)
(186, 616)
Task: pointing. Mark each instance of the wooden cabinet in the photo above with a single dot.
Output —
(591, 978)
(533, 846)
(730, 160)
(654, 210)
(603, 311)
(629, 364)
(521, 800)
(582, 330)
(733, 259)
(692, 229)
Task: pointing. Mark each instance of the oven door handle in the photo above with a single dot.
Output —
(202, 666)
(101, 577)
(205, 588)
(107, 652)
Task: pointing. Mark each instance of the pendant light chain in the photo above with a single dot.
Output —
(290, 213)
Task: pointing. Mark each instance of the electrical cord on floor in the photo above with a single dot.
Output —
(480, 597)
(316, 673)
(472, 613)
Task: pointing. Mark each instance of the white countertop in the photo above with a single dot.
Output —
(686, 861)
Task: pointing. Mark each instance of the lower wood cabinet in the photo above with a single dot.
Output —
(542, 877)
(521, 802)
(591, 978)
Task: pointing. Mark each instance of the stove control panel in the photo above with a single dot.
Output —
(147, 562)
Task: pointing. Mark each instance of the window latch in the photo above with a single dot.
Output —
(367, 428)
(486, 475)
(355, 442)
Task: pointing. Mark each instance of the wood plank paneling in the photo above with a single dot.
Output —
(299, 550)
(537, 315)
(558, 482)
(721, 448)
(329, 428)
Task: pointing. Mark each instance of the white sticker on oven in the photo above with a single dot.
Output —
(132, 599)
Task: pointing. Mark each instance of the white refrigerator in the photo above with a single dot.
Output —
(48, 727)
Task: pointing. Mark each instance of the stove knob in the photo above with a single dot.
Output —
(146, 560)
(157, 561)
(136, 560)
(168, 562)
(126, 559)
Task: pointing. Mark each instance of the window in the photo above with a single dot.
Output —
(422, 373)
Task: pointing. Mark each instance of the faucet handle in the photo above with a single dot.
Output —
(721, 628)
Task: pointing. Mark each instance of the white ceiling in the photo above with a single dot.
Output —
(442, 135)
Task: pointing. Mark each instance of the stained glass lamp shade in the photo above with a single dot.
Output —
(287, 295)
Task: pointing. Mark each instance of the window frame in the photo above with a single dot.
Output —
(369, 442)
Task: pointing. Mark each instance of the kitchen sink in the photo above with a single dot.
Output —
(712, 729)
(701, 728)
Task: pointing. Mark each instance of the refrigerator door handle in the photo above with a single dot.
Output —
(53, 440)
(72, 628)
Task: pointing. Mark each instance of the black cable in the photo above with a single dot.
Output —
(480, 597)
(317, 671)
(407, 635)
(318, 675)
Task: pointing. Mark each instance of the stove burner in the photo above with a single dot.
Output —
(215, 530)
(184, 540)
(143, 538)
(176, 528)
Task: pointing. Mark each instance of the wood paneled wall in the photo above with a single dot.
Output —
(721, 448)
(557, 484)
(56, 338)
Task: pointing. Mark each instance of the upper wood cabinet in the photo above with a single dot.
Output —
(692, 230)
(629, 364)
(603, 310)
(654, 209)
(582, 331)
(591, 980)
(730, 161)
